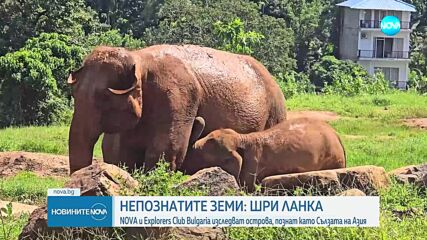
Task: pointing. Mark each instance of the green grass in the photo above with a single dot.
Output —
(27, 187)
(371, 126)
(391, 106)
(11, 226)
(52, 139)
(407, 200)
(381, 143)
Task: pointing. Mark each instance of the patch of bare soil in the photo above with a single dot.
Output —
(41, 164)
(320, 115)
(416, 122)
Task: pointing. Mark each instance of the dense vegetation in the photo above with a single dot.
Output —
(42, 41)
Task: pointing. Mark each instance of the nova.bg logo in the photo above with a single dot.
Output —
(69, 211)
(390, 25)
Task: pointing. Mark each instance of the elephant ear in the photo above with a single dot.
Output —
(72, 78)
(233, 164)
(128, 90)
(135, 91)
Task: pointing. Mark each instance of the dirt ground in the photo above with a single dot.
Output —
(417, 122)
(321, 115)
(41, 164)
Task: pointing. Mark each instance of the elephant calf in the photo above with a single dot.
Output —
(297, 145)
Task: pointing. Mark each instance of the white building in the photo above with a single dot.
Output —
(362, 40)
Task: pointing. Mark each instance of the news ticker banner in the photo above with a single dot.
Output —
(144, 211)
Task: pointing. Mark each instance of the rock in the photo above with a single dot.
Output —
(102, 179)
(322, 181)
(201, 233)
(214, 180)
(37, 225)
(352, 192)
(98, 179)
(366, 178)
(411, 174)
(369, 179)
(18, 208)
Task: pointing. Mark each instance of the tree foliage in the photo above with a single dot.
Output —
(313, 22)
(60, 54)
(191, 21)
(128, 16)
(335, 76)
(113, 38)
(21, 20)
(28, 90)
(234, 38)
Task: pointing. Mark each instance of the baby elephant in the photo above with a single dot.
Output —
(296, 145)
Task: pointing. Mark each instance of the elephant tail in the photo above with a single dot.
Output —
(277, 114)
(343, 149)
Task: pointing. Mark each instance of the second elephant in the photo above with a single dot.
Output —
(296, 145)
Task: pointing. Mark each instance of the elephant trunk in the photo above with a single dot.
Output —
(83, 135)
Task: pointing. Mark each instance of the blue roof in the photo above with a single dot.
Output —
(395, 5)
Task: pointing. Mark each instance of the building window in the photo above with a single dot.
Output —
(391, 74)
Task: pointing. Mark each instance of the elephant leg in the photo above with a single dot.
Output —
(111, 148)
(173, 144)
(116, 150)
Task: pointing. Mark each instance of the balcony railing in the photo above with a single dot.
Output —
(377, 24)
(383, 54)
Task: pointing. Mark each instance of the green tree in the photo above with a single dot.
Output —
(63, 54)
(60, 53)
(314, 24)
(191, 22)
(128, 16)
(113, 38)
(21, 20)
(28, 91)
(234, 38)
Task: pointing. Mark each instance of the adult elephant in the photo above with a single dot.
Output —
(152, 96)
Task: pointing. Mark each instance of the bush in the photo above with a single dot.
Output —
(161, 181)
(61, 54)
(113, 38)
(234, 38)
(294, 83)
(417, 82)
(28, 90)
(346, 78)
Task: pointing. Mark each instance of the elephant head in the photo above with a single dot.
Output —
(107, 93)
(219, 148)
